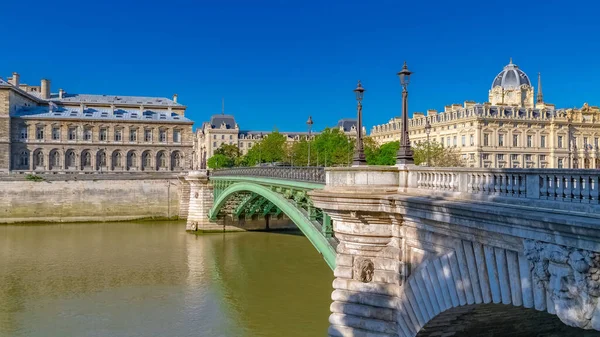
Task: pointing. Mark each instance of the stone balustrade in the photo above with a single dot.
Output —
(572, 189)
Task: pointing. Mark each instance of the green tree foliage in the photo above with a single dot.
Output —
(270, 149)
(231, 151)
(371, 149)
(439, 156)
(298, 152)
(218, 161)
(333, 148)
(387, 154)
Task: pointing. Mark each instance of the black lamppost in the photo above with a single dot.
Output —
(428, 131)
(309, 123)
(260, 150)
(359, 154)
(404, 155)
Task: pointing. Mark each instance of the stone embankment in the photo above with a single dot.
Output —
(92, 197)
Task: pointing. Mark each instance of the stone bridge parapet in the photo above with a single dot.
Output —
(416, 242)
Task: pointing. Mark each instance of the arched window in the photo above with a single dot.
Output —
(87, 159)
(147, 160)
(71, 159)
(118, 161)
(24, 159)
(55, 159)
(162, 160)
(177, 160)
(39, 158)
(132, 160)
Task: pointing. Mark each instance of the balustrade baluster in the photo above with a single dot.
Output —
(594, 195)
(522, 186)
(497, 183)
(470, 182)
(543, 181)
(566, 187)
(584, 181)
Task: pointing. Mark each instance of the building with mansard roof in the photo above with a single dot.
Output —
(223, 129)
(65, 132)
(514, 129)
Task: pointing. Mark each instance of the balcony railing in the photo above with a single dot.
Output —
(306, 174)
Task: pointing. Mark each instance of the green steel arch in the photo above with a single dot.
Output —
(304, 223)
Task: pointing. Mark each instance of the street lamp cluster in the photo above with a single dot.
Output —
(404, 156)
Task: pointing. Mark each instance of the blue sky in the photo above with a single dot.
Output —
(276, 62)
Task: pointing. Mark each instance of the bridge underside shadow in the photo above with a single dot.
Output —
(494, 320)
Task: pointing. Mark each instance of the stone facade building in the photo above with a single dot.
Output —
(63, 132)
(512, 130)
(223, 129)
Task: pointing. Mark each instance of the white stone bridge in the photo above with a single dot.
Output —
(445, 252)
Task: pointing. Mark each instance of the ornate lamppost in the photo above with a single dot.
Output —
(404, 155)
(309, 123)
(359, 154)
(428, 131)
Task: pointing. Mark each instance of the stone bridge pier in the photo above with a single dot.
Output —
(422, 251)
(201, 201)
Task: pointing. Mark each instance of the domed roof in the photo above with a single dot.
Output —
(511, 77)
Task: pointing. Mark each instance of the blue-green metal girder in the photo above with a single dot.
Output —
(314, 235)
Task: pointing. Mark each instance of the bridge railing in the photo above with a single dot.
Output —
(574, 189)
(580, 186)
(307, 174)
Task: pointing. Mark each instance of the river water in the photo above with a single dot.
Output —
(154, 279)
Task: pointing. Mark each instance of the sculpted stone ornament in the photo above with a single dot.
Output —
(363, 270)
(571, 276)
(196, 195)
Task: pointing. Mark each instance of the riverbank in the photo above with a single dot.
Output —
(92, 197)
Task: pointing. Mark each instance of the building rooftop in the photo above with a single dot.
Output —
(62, 112)
(113, 99)
(347, 124)
(217, 120)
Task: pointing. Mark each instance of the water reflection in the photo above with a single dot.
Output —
(145, 279)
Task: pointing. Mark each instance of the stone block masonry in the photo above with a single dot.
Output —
(93, 197)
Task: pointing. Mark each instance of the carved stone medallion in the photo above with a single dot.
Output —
(363, 270)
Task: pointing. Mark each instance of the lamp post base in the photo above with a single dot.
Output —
(405, 156)
(359, 159)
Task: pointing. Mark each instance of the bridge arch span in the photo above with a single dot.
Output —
(287, 207)
(477, 275)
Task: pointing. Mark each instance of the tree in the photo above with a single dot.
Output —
(439, 156)
(371, 149)
(228, 150)
(333, 148)
(218, 161)
(298, 152)
(387, 153)
(270, 149)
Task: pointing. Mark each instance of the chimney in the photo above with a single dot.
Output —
(61, 93)
(175, 98)
(14, 80)
(45, 90)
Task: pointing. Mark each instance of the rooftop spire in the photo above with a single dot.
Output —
(510, 62)
(540, 96)
(223, 106)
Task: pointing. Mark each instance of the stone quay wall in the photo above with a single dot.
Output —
(92, 197)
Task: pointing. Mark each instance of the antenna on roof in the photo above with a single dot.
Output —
(223, 106)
